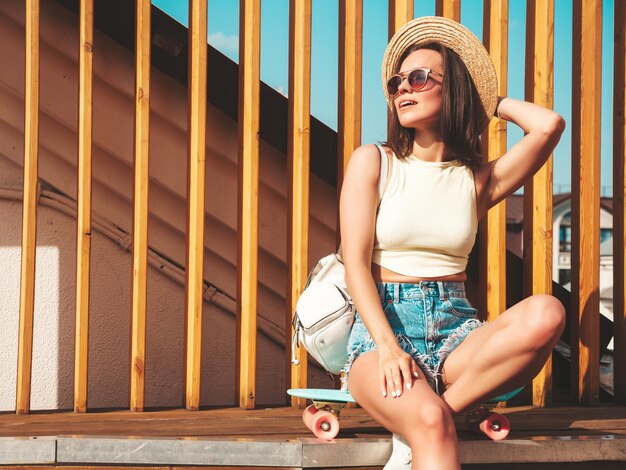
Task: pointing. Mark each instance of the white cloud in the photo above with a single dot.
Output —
(224, 43)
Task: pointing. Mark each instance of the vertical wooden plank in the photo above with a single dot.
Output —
(400, 12)
(586, 90)
(538, 192)
(140, 208)
(493, 229)
(529, 95)
(83, 236)
(575, 255)
(196, 148)
(449, 9)
(528, 210)
(619, 195)
(29, 213)
(350, 89)
(298, 156)
(248, 215)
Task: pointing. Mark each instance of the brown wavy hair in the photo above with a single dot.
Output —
(462, 115)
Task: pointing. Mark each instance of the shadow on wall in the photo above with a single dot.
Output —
(51, 382)
(53, 348)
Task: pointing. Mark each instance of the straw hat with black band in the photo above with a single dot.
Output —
(454, 36)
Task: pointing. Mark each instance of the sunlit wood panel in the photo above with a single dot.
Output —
(83, 216)
(586, 99)
(538, 191)
(196, 153)
(449, 9)
(140, 206)
(350, 89)
(400, 12)
(493, 226)
(298, 157)
(248, 215)
(619, 195)
(29, 213)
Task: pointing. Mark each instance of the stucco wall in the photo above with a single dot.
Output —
(53, 349)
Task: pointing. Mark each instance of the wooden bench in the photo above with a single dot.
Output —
(276, 437)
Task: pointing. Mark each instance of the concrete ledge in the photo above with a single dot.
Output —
(182, 451)
(27, 450)
(361, 452)
(298, 453)
(548, 449)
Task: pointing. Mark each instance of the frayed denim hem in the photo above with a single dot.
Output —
(367, 344)
(457, 337)
(451, 343)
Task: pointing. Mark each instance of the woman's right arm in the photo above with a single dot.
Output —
(358, 203)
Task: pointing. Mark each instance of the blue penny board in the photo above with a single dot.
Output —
(322, 394)
(506, 396)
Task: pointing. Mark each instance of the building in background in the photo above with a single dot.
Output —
(562, 243)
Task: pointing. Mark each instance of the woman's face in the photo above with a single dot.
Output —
(420, 109)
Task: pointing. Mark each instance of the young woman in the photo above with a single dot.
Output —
(418, 354)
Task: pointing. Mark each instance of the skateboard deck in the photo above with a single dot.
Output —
(505, 396)
(322, 394)
(322, 417)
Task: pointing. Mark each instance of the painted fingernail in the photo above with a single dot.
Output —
(408, 386)
(384, 393)
(398, 392)
(415, 374)
(393, 394)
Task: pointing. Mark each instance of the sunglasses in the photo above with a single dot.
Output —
(417, 80)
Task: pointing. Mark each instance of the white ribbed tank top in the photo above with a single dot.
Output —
(426, 223)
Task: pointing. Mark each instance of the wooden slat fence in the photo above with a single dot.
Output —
(586, 91)
(83, 216)
(298, 164)
(619, 196)
(400, 11)
(539, 88)
(493, 229)
(248, 215)
(350, 89)
(196, 148)
(586, 74)
(29, 215)
(448, 9)
(140, 212)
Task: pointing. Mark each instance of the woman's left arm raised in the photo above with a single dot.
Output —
(543, 128)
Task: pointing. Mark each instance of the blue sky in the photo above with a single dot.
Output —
(223, 29)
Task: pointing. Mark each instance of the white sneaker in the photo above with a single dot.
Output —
(400, 456)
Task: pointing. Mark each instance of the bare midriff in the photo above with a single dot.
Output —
(381, 274)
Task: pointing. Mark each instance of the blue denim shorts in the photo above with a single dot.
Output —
(429, 319)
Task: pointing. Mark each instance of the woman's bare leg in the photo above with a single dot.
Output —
(503, 354)
(419, 415)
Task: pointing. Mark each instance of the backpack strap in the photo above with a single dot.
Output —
(384, 171)
(382, 179)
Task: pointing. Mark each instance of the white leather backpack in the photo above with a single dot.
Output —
(325, 311)
(324, 315)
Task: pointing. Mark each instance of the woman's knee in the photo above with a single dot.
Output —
(431, 421)
(544, 319)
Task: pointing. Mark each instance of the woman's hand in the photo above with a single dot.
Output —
(397, 370)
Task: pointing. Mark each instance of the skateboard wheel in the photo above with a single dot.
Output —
(307, 416)
(495, 426)
(325, 425)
